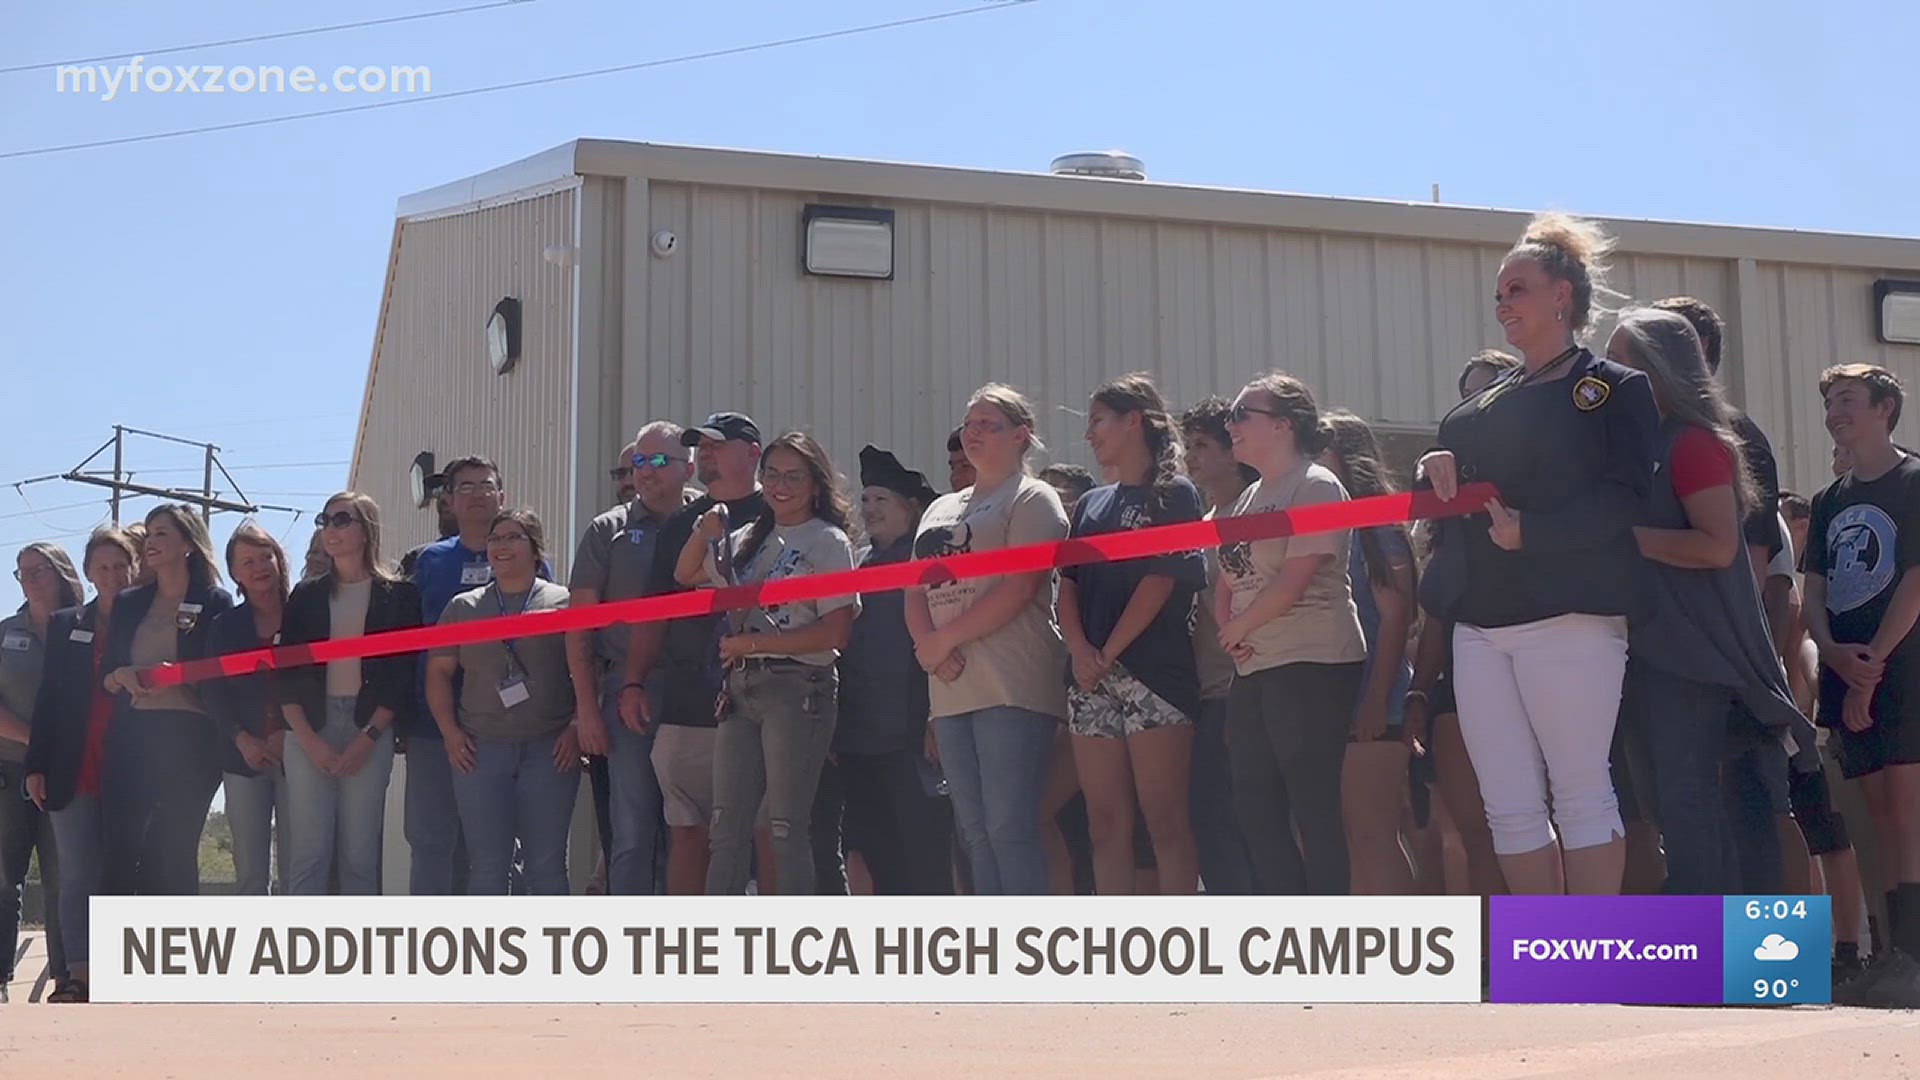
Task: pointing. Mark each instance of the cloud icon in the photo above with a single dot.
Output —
(1776, 947)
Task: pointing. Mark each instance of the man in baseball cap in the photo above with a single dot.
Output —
(723, 427)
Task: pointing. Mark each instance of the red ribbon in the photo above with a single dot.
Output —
(1029, 558)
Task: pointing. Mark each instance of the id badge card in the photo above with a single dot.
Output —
(513, 691)
(476, 574)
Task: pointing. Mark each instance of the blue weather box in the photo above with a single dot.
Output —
(1778, 950)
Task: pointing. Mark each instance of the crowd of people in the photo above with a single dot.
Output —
(1605, 673)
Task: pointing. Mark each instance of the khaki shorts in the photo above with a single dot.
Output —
(683, 763)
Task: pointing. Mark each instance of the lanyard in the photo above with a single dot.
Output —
(500, 597)
(1494, 392)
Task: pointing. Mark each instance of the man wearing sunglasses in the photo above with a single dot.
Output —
(615, 562)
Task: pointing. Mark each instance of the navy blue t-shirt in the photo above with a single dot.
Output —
(1162, 656)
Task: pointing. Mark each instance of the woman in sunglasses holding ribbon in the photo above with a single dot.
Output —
(341, 714)
(510, 734)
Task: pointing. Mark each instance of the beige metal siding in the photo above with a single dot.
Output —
(431, 386)
(1806, 319)
(1055, 303)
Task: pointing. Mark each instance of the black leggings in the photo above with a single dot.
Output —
(1287, 728)
(157, 782)
(877, 801)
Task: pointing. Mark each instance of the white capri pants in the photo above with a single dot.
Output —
(1538, 703)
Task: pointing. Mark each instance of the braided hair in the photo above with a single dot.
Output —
(1136, 393)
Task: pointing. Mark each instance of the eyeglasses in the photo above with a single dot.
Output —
(339, 519)
(1239, 413)
(503, 539)
(620, 472)
(475, 487)
(656, 461)
(784, 479)
(37, 573)
(986, 427)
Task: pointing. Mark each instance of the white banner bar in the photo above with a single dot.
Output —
(786, 949)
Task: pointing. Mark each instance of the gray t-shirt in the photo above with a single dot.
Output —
(1323, 626)
(22, 655)
(811, 547)
(615, 559)
(541, 666)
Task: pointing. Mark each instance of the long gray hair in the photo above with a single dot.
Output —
(72, 593)
(1665, 346)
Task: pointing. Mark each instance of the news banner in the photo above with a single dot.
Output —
(1733, 950)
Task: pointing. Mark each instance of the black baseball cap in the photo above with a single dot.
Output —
(723, 427)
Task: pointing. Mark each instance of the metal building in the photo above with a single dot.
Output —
(540, 312)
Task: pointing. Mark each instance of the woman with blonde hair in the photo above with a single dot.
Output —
(162, 756)
(341, 714)
(1539, 585)
(993, 648)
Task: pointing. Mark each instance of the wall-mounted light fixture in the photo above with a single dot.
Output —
(847, 241)
(503, 335)
(422, 482)
(1896, 306)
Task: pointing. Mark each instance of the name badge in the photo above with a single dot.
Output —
(17, 641)
(476, 574)
(187, 616)
(84, 637)
(513, 691)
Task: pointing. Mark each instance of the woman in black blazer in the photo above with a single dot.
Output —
(163, 757)
(341, 714)
(71, 715)
(252, 732)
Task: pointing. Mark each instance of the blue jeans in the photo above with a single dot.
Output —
(432, 820)
(634, 797)
(1226, 869)
(515, 793)
(255, 806)
(333, 818)
(80, 831)
(1681, 726)
(996, 762)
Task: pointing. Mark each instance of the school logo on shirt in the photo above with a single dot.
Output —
(1134, 516)
(1590, 393)
(1236, 560)
(1860, 556)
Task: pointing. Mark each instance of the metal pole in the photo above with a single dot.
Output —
(206, 498)
(119, 455)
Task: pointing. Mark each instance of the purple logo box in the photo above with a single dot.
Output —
(1622, 950)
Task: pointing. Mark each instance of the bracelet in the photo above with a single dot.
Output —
(1421, 694)
(633, 686)
(372, 732)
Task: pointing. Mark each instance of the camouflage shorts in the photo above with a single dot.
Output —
(1120, 706)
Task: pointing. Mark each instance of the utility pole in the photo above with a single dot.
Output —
(121, 482)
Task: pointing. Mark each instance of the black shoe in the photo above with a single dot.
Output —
(1847, 966)
(1890, 982)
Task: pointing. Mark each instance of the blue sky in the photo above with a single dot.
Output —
(225, 286)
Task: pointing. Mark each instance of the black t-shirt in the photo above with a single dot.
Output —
(1864, 537)
(688, 667)
(1162, 656)
(883, 691)
(1762, 526)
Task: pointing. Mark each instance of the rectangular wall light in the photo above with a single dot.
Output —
(847, 241)
(1896, 306)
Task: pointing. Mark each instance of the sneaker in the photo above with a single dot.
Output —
(1892, 982)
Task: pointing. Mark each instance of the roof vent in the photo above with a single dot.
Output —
(1113, 164)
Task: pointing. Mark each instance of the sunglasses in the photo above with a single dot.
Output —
(339, 519)
(1239, 413)
(655, 461)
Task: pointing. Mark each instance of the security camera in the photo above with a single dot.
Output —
(665, 243)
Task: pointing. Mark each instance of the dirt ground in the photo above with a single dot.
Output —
(1326, 1042)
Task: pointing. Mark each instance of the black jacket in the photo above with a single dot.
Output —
(385, 680)
(66, 697)
(240, 702)
(1574, 455)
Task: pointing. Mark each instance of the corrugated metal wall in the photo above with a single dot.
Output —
(433, 388)
(1055, 303)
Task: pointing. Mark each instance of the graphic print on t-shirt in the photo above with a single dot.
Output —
(1861, 546)
(1236, 559)
(948, 599)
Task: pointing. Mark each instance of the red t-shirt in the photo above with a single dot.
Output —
(1700, 461)
(99, 715)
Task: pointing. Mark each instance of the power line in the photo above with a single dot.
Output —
(264, 37)
(47, 509)
(546, 80)
(237, 468)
